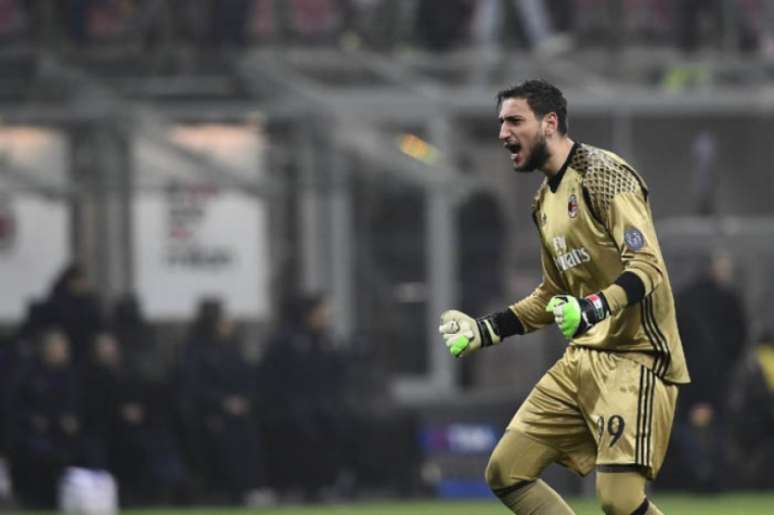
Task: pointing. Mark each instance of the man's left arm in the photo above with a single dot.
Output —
(621, 206)
(630, 225)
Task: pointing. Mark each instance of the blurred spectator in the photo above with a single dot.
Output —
(593, 22)
(46, 430)
(718, 24)
(99, 378)
(73, 306)
(648, 20)
(218, 389)
(766, 30)
(312, 21)
(751, 412)
(262, 23)
(372, 23)
(46, 21)
(79, 21)
(539, 27)
(756, 32)
(17, 352)
(105, 20)
(443, 24)
(158, 22)
(304, 374)
(747, 17)
(229, 21)
(12, 19)
(142, 355)
(188, 422)
(130, 424)
(26, 337)
(691, 15)
(713, 327)
(543, 25)
(486, 25)
(563, 14)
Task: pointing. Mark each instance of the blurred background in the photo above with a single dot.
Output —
(227, 229)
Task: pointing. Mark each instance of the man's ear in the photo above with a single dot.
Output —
(551, 124)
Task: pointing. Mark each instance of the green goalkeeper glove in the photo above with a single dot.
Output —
(464, 334)
(575, 316)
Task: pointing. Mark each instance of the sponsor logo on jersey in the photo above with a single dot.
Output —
(560, 244)
(572, 206)
(568, 258)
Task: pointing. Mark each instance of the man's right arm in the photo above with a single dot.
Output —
(464, 334)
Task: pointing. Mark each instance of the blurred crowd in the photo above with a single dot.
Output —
(195, 421)
(548, 25)
(722, 438)
(207, 420)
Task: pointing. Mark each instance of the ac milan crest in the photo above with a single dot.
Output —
(572, 206)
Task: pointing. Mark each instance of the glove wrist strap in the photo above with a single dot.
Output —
(599, 309)
(498, 326)
(487, 328)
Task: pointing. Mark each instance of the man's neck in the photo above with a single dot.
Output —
(559, 153)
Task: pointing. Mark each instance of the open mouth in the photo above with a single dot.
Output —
(515, 150)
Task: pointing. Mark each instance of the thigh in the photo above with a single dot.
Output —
(552, 417)
(629, 410)
(517, 458)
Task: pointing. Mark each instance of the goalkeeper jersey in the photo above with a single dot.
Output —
(595, 223)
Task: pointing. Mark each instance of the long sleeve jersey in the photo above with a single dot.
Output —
(595, 223)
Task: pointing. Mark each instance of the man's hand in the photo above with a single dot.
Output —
(575, 316)
(464, 334)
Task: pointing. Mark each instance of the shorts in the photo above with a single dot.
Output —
(599, 408)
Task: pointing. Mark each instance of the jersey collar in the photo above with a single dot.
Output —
(553, 181)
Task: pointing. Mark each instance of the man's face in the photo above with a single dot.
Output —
(321, 317)
(56, 349)
(106, 350)
(522, 135)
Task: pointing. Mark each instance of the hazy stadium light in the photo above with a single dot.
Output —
(414, 146)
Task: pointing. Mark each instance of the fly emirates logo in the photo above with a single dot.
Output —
(566, 259)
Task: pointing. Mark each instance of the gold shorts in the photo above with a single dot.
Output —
(598, 408)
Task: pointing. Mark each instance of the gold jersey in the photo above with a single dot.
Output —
(595, 223)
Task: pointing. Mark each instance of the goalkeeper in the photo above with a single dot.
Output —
(608, 403)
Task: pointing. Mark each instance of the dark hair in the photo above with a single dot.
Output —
(127, 311)
(542, 97)
(71, 272)
(209, 313)
(301, 306)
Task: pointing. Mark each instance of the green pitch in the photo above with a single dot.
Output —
(727, 504)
